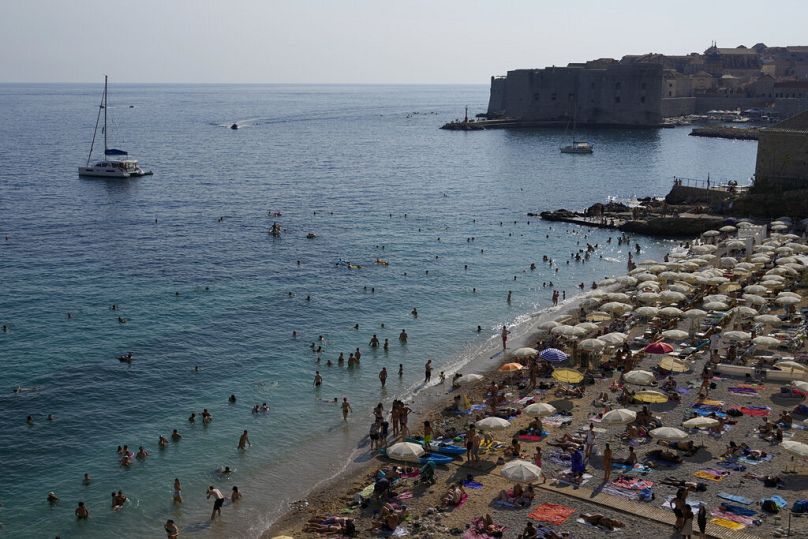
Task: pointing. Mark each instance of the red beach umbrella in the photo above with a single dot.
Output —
(658, 348)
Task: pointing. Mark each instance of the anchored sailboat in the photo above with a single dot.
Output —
(577, 146)
(115, 163)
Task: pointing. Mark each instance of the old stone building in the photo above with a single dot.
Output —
(782, 158)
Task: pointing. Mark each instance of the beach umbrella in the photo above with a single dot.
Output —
(466, 379)
(493, 423)
(756, 289)
(614, 338)
(620, 416)
(671, 312)
(729, 287)
(745, 265)
(766, 342)
(717, 297)
(772, 276)
(591, 345)
(789, 294)
(589, 327)
(744, 312)
(650, 397)
(786, 300)
(588, 303)
(525, 353)
(754, 299)
(700, 422)
(627, 280)
(568, 376)
(768, 319)
(640, 378)
(511, 367)
(607, 281)
(702, 249)
(736, 336)
(799, 384)
(670, 296)
(673, 364)
(668, 275)
(772, 284)
(716, 306)
(642, 277)
(779, 227)
(694, 313)
(735, 245)
(568, 331)
(759, 259)
(658, 348)
(647, 262)
(598, 316)
(617, 296)
(791, 366)
(798, 449)
(406, 451)
(727, 228)
(616, 307)
(547, 326)
(728, 262)
(648, 297)
(521, 471)
(675, 334)
(553, 355)
(710, 233)
(647, 311)
(540, 409)
(669, 433)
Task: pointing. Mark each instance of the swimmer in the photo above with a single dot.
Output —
(479, 329)
(176, 436)
(442, 377)
(192, 417)
(172, 531)
(232, 399)
(383, 376)
(29, 420)
(50, 417)
(142, 453)
(374, 341)
(52, 498)
(235, 495)
(87, 480)
(82, 513)
(402, 337)
(386, 345)
(346, 407)
(414, 312)
(118, 499)
(400, 370)
(318, 380)
(244, 441)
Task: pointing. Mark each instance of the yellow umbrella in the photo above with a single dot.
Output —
(673, 364)
(508, 367)
(568, 376)
(651, 397)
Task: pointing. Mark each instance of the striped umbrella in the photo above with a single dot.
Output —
(553, 355)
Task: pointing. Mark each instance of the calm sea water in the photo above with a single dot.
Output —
(367, 170)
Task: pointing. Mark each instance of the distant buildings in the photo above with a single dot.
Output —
(782, 158)
(642, 90)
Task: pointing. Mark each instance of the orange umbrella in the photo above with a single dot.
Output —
(508, 367)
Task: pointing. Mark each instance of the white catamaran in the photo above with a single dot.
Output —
(116, 163)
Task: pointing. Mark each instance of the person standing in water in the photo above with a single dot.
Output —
(505, 334)
(383, 376)
(172, 531)
(346, 407)
(318, 380)
(244, 441)
(428, 371)
(219, 501)
(402, 337)
(177, 491)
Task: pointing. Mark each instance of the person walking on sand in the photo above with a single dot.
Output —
(687, 523)
(383, 376)
(346, 407)
(589, 442)
(428, 371)
(219, 501)
(244, 441)
(505, 334)
(607, 463)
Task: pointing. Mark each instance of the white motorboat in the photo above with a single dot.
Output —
(578, 147)
(116, 163)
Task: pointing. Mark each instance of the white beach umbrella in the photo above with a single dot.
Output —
(493, 423)
(616, 307)
(670, 296)
(694, 313)
(589, 327)
(756, 289)
(735, 245)
(614, 338)
(540, 409)
(728, 262)
(669, 275)
(786, 300)
(617, 296)
(745, 266)
(668, 433)
(671, 312)
(779, 227)
(744, 312)
(606, 282)
(647, 262)
(736, 336)
(406, 451)
(681, 287)
(766, 342)
(772, 285)
(788, 294)
(727, 228)
(759, 259)
(700, 422)
(525, 353)
(710, 233)
(648, 297)
(591, 345)
(754, 299)
(639, 377)
(588, 303)
(620, 416)
(798, 449)
(723, 298)
(703, 249)
(641, 277)
(799, 384)
(550, 324)
(791, 366)
(716, 306)
(647, 311)
(627, 280)
(521, 471)
(570, 332)
(466, 379)
(773, 275)
(675, 334)
(768, 319)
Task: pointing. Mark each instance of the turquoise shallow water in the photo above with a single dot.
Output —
(352, 164)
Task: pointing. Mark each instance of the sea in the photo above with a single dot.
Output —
(213, 305)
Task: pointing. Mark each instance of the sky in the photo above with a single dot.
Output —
(362, 41)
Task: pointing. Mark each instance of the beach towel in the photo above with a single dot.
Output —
(710, 402)
(503, 504)
(556, 420)
(709, 475)
(627, 469)
(542, 532)
(735, 498)
(737, 510)
(732, 465)
(632, 483)
(568, 478)
(553, 513)
(746, 391)
(612, 490)
(585, 523)
(747, 460)
(405, 495)
(723, 522)
(755, 411)
(746, 521)
(531, 437)
(779, 500)
(472, 485)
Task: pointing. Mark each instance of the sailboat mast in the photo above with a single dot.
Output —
(106, 105)
(95, 131)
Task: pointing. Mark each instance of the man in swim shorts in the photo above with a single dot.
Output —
(219, 501)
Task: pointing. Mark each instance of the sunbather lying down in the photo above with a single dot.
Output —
(530, 532)
(567, 442)
(688, 447)
(601, 521)
(454, 495)
(689, 485)
(391, 516)
(336, 525)
(486, 525)
(664, 454)
(564, 391)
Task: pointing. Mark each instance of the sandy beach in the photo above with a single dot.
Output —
(731, 487)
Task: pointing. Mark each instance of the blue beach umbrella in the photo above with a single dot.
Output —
(553, 355)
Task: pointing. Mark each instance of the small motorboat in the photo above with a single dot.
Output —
(234, 126)
(311, 235)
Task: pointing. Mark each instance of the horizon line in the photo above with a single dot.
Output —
(261, 83)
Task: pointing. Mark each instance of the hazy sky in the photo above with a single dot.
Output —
(362, 41)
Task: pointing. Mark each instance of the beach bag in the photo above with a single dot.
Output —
(800, 506)
(770, 507)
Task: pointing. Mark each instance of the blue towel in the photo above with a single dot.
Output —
(472, 484)
(781, 502)
(735, 498)
(738, 510)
